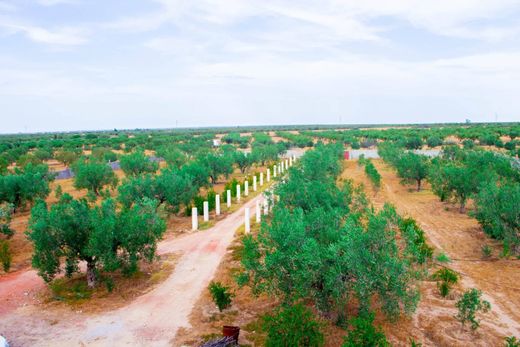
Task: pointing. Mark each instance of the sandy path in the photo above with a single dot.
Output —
(152, 319)
(461, 237)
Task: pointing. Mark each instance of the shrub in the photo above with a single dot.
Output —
(446, 278)
(292, 326)
(486, 251)
(364, 333)
(220, 294)
(469, 305)
(443, 258)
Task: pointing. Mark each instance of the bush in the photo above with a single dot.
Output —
(220, 294)
(512, 341)
(486, 251)
(364, 333)
(292, 326)
(446, 278)
(469, 305)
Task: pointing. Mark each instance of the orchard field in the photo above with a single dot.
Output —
(403, 235)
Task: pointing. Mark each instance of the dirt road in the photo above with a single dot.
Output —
(151, 320)
(461, 238)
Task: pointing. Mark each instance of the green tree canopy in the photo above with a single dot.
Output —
(93, 176)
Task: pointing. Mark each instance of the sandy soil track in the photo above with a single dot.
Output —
(152, 319)
(461, 238)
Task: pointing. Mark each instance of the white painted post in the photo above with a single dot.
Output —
(268, 175)
(238, 192)
(246, 220)
(194, 219)
(261, 179)
(206, 211)
(274, 170)
(254, 183)
(246, 188)
(228, 198)
(257, 211)
(286, 164)
(280, 170)
(217, 204)
(266, 207)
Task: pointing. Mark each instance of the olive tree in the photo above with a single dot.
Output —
(93, 176)
(137, 163)
(105, 237)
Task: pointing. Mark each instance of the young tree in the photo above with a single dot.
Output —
(6, 233)
(413, 167)
(137, 163)
(243, 161)
(66, 157)
(103, 236)
(364, 333)
(175, 187)
(469, 305)
(93, 175)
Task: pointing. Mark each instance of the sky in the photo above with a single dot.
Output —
(91, 64)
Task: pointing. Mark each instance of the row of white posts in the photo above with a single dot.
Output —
(278, 169)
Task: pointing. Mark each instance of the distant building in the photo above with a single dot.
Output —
(216, 142)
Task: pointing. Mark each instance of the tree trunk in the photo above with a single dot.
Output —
(462, 208)
(418, 185)
(91, 274)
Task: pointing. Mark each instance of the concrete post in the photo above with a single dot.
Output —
(280, 171)
(246, 188)
(274, 170)
(268, 175)
(238, 192)
(257, 211)
(261, 179)
(266, 207)
(217, 204)
(286, 164)
(246, 220)
(206, 211)
(254, 183)
(194, 219)
(290, 161)
(228, 198)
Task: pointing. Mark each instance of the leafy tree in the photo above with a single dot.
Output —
(413, 167)
(5, 233)
(292, 326)
(103, 236)
(217, 165)
(220, 294)
(244, 161)
(496, 209)
(364, 333)
(93, 175)
(413, 142)
(469, 305)
(137, 163)
(198, 173)
(175, 187)
(172, 155)
(25, 185)
(434, 141)
(66, 157)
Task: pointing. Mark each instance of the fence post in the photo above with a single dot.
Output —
(228, 202)
(206, 211)
(194, 219)
(217, 204)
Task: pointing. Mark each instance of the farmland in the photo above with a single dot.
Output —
(309, 235)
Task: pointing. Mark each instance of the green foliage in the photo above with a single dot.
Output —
(217, 165)
(102, 236)
(512, 341)
(413, 167)
(364, 333)
(172, 155)
(415, 238)
(292, 325)
(66, 157)
(496, 209)
(469, 305)
(221, 295)
(446, 279)
(25, 185)
(93, 176)
(486, 251)
(137, 164)
(370, 171)
(443, 258)
(5, 255)
(320, 246)
(243, 160)
(434, 141)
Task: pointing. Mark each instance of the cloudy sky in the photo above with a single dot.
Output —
(92, 64)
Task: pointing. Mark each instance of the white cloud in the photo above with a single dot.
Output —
(64, 36)
(56, 2)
